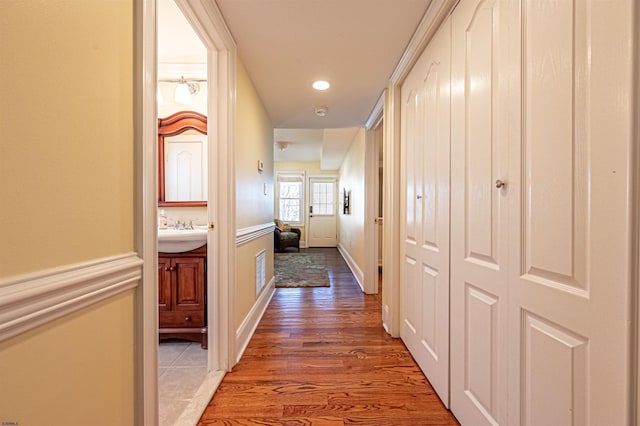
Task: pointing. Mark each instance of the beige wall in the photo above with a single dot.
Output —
(76, 370)
(66, 167)
(66, 159)
(351, 226)
(246, 275)
(254, 141)
(310, 168)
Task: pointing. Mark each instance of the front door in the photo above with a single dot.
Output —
(322, 212)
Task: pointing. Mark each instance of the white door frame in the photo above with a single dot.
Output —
(145, 229)
(371, 197)
(208, 23)
(307, 195)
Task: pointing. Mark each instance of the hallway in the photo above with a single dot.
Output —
(321, 357)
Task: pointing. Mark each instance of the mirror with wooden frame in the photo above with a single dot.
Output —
(182, 160)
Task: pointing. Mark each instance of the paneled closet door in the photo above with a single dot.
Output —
(424, 284)
(569, 291)
(480, 200)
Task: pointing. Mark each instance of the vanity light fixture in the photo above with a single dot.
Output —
(183, 94)
(321, 85)
(184, 89)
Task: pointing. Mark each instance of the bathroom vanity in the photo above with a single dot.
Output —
(182, 295)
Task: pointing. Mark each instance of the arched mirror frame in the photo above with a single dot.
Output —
(172, 125)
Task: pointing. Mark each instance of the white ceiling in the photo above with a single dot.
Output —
(287, 44)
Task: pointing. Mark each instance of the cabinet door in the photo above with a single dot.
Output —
(164, 284)
(188, 293)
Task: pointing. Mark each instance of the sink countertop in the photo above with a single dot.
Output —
(181, 240)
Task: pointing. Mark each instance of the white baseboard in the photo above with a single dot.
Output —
(355, 270)
(199, 402)
(31, 300)
(248, 326)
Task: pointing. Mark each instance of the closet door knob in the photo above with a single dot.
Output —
(500, 184)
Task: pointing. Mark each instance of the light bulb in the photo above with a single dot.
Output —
(321, 85)
(182, 96)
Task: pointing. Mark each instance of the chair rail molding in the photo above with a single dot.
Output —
(245, 235)
(28, 301)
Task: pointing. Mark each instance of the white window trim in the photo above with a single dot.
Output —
(296, 174)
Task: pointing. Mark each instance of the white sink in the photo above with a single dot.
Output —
(180, 240)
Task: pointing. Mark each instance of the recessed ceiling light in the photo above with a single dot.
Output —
(321, 85)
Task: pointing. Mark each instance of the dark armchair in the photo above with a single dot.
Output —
(283, 239)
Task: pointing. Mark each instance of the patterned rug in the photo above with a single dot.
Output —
(300, 270)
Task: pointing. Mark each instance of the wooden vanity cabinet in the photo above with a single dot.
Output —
(182, 295)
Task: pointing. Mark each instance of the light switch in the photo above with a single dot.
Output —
(265, 188)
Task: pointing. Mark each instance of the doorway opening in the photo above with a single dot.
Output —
(218, 217)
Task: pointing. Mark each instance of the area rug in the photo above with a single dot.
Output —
(300, 270)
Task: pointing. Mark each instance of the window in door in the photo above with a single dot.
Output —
(323, 198)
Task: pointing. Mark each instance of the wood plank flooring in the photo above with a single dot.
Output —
(321, 357)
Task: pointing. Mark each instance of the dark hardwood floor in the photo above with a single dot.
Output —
(321, 357)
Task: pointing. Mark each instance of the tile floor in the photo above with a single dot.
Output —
(182, 366)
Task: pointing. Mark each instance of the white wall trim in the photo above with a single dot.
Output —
(250, 323)
(192, 413)
(245, 235)
(436, 13)
(145, 213)
(355, 269)
(31, 300)
(377, 113)
(207, 21)
(371, 196)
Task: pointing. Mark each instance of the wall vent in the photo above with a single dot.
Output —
(261, 270)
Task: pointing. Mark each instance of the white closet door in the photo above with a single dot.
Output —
(424, 288)
(479, 213)
(569, 292)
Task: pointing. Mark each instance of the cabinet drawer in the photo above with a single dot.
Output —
(182, 319)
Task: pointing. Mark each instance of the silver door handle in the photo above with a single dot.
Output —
(500, 184)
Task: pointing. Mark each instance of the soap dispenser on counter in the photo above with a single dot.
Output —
(162, 220)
